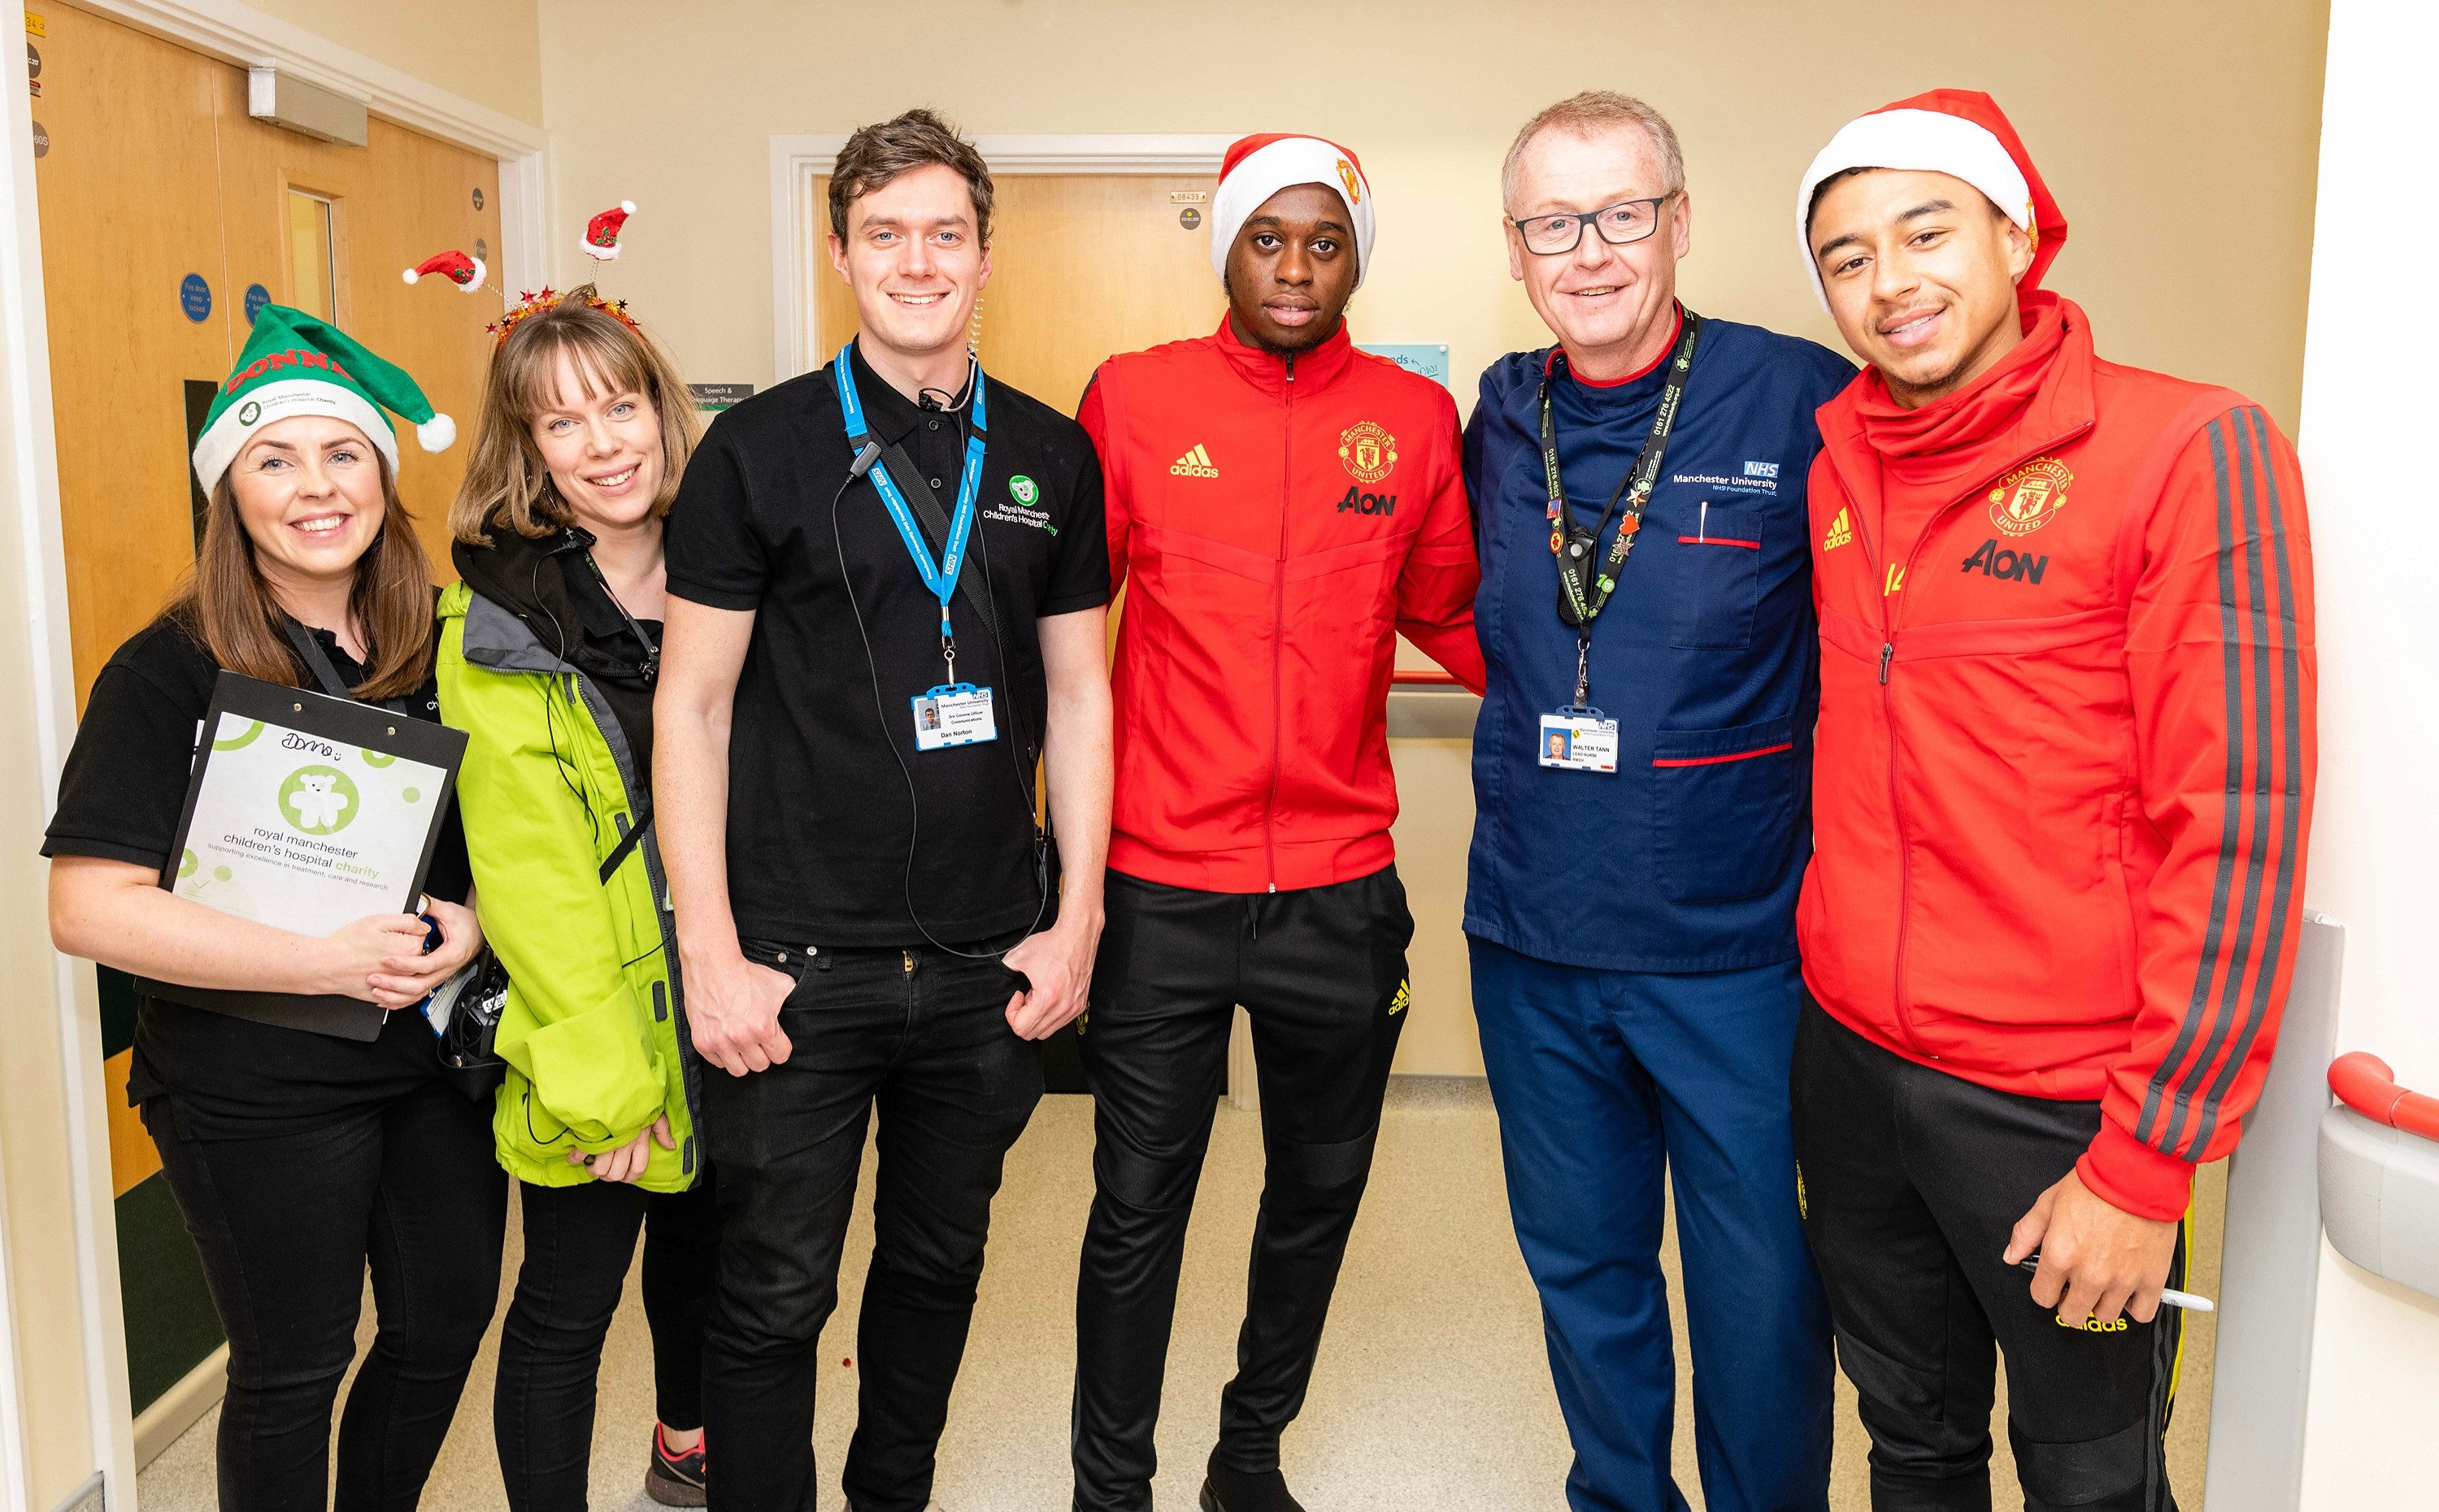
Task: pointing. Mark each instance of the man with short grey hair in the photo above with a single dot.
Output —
(1641, 770)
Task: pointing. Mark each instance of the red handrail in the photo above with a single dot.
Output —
(2363, 1082)
(1427, 676)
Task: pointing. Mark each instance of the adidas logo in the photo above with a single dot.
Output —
(1841, 531)
(1194, 464)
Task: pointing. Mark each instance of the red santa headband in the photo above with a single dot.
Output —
(467, 272)
(1957, 132)
(601, 236)
(602, 233)
(1258, 166)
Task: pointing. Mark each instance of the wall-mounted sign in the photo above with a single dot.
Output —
(256, 298)
(1189, 196)
(42, 141)
(35, 25)
(478, 198)
(483, 249)
(33, 61)
(1189, 218)
(713, 397)
(1414, 357)
(195, 298)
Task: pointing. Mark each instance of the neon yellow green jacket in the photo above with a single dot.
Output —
(594, 1033)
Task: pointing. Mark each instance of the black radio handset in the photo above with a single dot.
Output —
(864, 461)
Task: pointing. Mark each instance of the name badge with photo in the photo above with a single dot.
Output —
(1578, 741)
(959, 714)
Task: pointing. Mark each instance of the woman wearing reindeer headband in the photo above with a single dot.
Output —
(549, 650)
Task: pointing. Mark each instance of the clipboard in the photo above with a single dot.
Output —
(298, 769)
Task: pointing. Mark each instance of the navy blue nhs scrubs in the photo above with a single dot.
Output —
(1633, 935)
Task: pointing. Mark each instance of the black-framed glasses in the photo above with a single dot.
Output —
(1620, 225)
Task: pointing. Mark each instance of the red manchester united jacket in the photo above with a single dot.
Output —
(1275, 523)
(2065, 761)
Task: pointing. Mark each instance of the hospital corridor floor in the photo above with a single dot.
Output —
(1433, 1390)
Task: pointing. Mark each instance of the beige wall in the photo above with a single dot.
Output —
(2179, 135)
(489, 51)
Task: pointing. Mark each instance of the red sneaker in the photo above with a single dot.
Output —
(676, 1480)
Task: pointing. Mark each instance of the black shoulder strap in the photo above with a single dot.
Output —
(326, 672)
(935, 522)
(626, 845)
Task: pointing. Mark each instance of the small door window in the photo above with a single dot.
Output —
(312, 255)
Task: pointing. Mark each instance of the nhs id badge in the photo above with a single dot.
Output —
(1579, 740)
(959, 714)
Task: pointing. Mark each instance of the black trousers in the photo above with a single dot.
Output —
(1322, 972)
(579, 1243)
(1912, 1181)
(922, 1036)
(285, 1226)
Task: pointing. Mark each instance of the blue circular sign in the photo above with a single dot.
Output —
(256, 298)
(195, 298)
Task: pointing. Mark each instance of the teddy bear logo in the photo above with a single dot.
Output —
(318, 800)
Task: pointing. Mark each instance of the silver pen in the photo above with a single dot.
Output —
(2169, 1296)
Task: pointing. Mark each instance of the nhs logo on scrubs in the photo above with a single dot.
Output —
(1761, 470)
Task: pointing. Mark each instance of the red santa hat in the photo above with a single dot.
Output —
(467, 273)
(1258, 166)
(602, 233)
(1958, 131)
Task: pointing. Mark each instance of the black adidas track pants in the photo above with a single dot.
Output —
(1322, 973)
(1912, 1181)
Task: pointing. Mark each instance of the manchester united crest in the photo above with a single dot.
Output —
(1347, 175)
(2031, 496)
(1368, 451)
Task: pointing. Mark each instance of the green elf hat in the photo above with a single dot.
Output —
(294, 364)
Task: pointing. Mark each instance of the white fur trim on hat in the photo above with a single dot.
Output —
(436, 433)
(219, 446)
(1916, 140)
(1279, 165)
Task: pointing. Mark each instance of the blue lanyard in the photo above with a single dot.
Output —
(941, 578)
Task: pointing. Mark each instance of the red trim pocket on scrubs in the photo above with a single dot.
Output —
(1718, 577)
(1727, 809)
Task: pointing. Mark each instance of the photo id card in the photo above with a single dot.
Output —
(959, 714)
(1579, 741)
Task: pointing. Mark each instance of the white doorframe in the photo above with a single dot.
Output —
(799, 219)
(36, 612)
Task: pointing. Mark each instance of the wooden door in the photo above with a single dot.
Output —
(131, 212)
(393, 203)
(1083, 265)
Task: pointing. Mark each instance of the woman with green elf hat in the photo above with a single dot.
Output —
(297, 1158)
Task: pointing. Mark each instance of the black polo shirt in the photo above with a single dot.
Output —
(821, 819)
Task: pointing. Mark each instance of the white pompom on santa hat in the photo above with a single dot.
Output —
(1257, 167)
(464, 270)
(602, 233)
(1961, 133)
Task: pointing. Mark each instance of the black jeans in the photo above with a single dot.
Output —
(1912, 1181)
(1322, 972)
(922, 1035)
(285, 1226)
(579, 1243)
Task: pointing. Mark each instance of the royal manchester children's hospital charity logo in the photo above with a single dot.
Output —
(1368, 451)
(2030, 497)
(318, 800)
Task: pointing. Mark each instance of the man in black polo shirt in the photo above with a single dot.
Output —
(864, 913)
